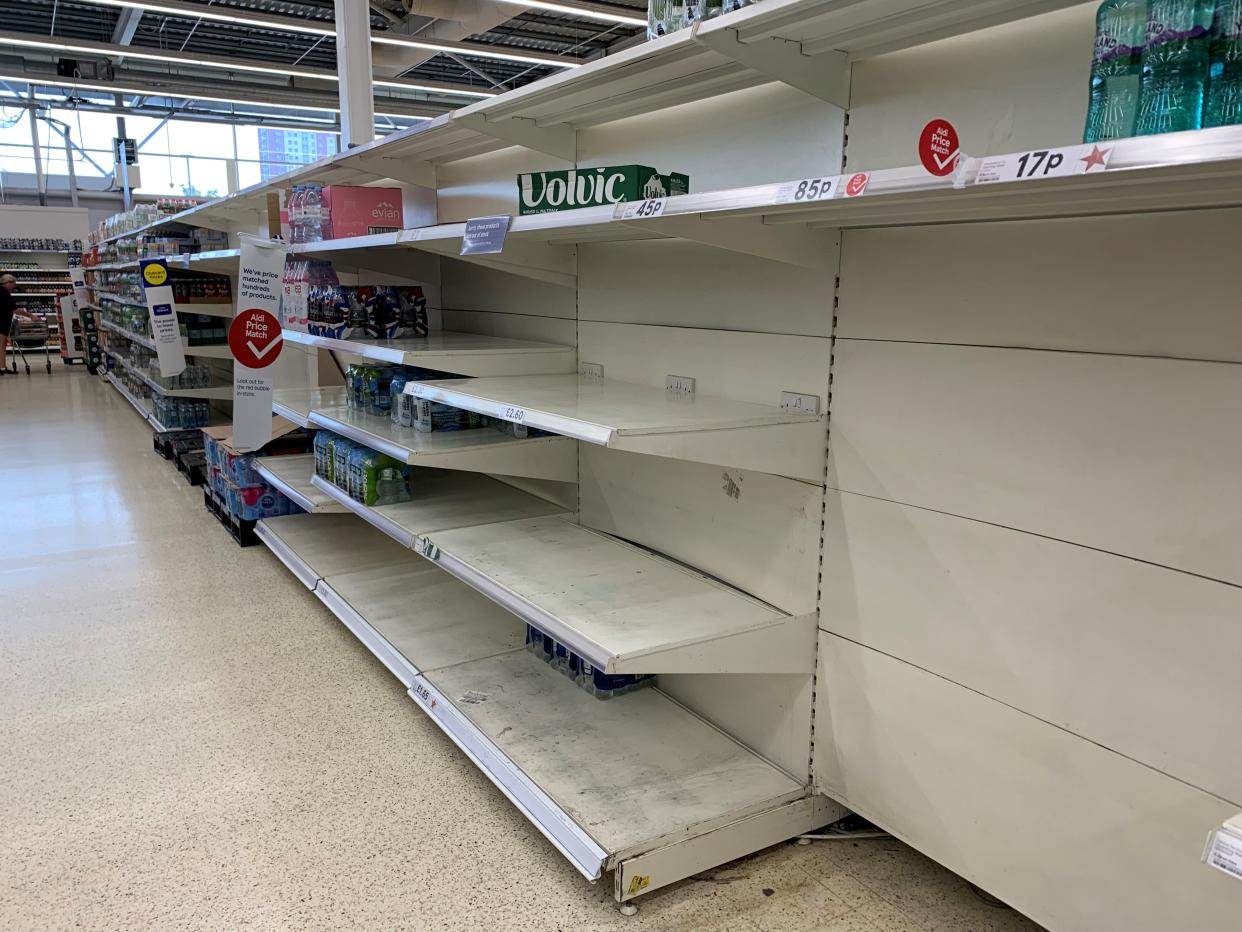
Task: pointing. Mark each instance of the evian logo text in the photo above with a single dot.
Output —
(384, 211)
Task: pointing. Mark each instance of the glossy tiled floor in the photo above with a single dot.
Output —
(188, 740)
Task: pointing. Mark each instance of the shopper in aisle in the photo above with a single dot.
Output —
(8, 310)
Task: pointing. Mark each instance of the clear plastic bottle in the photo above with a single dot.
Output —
(1175, 66)
(1224, 94)
(1120, 31)
(294, 208)
(312, 221)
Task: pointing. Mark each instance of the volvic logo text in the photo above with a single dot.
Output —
(573, 190)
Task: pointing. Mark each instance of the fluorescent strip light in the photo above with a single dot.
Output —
(230, 65)
(41, 81)
(584, 12)
(287, 24)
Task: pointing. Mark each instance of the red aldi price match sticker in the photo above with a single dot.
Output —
(255, 338)
(857, 184)
(1044, 163)
(939, 148)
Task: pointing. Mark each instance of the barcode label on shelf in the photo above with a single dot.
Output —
(807, 189)
(633, 210)
(1044, 163)
(1225, 853)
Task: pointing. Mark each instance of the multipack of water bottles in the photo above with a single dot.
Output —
(590, 677)
(366, 475)
(380, 312)
(665, 16)
(1164, 66)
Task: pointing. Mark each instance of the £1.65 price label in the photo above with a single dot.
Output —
(645, 210)
(807, 189)
(1044, 163)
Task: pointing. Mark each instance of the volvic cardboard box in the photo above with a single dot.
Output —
(569, 189)
(355, 211)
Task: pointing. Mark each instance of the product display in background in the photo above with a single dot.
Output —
(569, 189)
(665, 16)
(379, 312)
(140, 216)
(1164, 66)
(336, 211)
(39, 244)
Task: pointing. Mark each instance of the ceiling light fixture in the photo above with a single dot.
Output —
(584, 10)
(102, 49)
(288, 24)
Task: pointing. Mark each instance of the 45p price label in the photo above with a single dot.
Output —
(807, 189)
(1044, 163)
(644, 210)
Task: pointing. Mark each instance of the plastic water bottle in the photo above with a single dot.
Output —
(294, 209)
(1224, 95)
(312, 221)
(1175, 65)
(1120, 31)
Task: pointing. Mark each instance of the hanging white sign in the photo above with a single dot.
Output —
(255, 339)
(78, 277)
(163, 313)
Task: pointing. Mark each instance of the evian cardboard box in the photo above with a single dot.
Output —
(354, 211)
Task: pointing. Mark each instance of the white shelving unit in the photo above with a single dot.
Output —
(292, 475)
(467, 353)
(210, 351)
(219, 392)
(844, 607)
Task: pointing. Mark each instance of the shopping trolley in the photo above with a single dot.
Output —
(30, 334)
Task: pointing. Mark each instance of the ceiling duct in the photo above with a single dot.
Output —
(100, 70)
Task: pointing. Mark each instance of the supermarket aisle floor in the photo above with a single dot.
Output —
(191, 741)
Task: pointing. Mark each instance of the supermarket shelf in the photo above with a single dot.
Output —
(292, 475)
(668, 777)
(640, 419)
(209, 310)
(475, 450)
(465, 353)
(624, 609)
(217, 392)
(443, 500)
(36, 252)
(453, 624)
(212, 351)
(138, 404)
(295, 404)
(315, 546)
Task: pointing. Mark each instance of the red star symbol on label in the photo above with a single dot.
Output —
(1096, 156)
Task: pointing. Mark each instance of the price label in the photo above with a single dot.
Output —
(633, 210)
(422, 692)
(1044, 163)
(425, 548)
(808, 189)
(1225, 853)
(516, 415)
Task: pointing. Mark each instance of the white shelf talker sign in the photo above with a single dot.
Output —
(1044, 163)
(255, 339)
(163, 312)
(1224, 848)
(78, 277)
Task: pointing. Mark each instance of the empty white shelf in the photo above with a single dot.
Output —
(210, 351)
(464, 353)
(475, 450)
(411, 610)
(314, 546)
(602, 779)
(292, 476)
(641, 419)
(295, 404)
(442, 500)
(624, 609)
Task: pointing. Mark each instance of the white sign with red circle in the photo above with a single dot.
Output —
(939, 148)
(255, 338)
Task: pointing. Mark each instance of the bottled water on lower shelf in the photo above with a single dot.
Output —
(599, 684)
(1175, 66)
(1224, 94)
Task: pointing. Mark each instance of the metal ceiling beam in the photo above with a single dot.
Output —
(126, 26)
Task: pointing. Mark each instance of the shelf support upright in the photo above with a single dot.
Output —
(353, 68)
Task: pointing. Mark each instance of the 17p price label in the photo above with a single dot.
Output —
(1044, 163)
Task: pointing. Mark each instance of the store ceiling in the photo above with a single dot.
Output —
(490, 26)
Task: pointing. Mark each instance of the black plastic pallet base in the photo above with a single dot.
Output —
(241, 531)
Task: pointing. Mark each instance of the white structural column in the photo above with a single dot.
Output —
(353, 68)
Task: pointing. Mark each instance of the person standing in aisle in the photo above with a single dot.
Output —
(8, 310)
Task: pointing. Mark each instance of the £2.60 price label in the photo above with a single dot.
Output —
(516, 415)
(808, 189)
(1044, 163)
(633, 210)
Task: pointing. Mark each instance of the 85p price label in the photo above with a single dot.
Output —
(807, 189)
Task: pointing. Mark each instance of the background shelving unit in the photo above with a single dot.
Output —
(946, 546)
